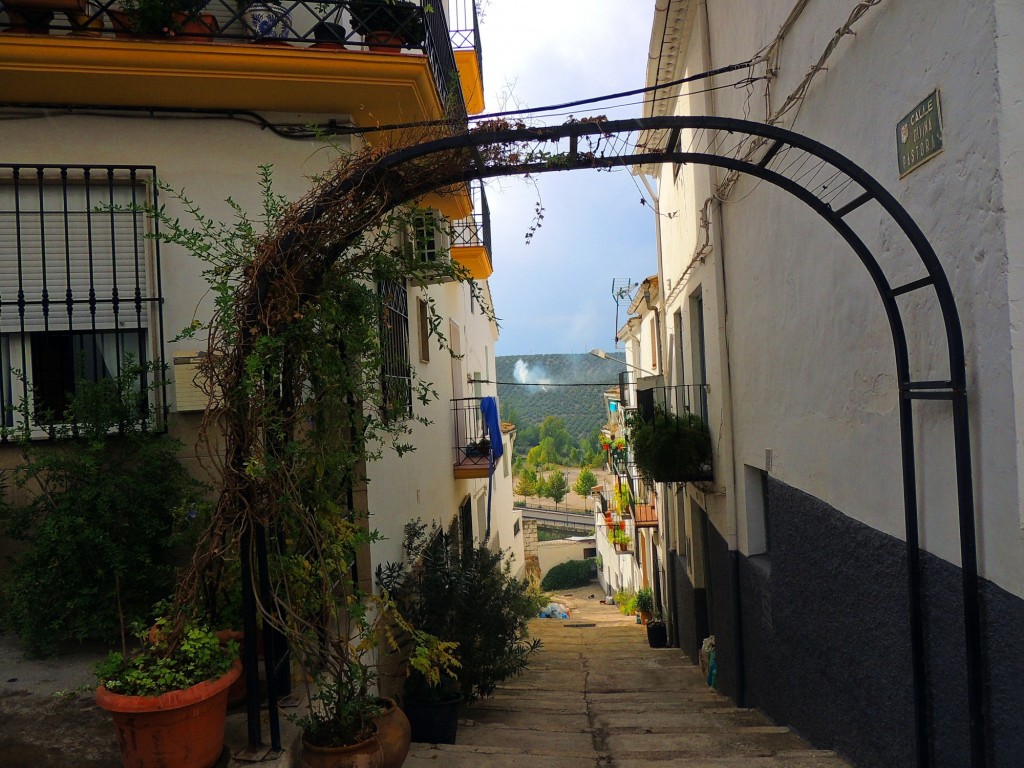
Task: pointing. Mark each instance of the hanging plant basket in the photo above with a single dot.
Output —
(671, 448)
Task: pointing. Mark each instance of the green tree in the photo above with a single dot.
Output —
(553, 428)
(526, 484)
(584, 483)
(556, 487)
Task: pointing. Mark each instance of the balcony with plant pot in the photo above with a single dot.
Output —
(473, 450)
(669, 435)
(380, 62)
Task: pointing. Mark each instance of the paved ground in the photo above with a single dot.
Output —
(596, 696)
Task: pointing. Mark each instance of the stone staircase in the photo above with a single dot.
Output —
(598, 695)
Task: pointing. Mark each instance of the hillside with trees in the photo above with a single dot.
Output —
(525, 387)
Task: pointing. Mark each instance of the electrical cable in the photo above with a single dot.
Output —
(542, 384)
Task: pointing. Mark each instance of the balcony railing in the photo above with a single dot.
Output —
(671, 445)
(473, 455)
(678, 399)
(465, 29)
(474, 230)
(419, 27)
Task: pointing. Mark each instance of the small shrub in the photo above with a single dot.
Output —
(626, 600)
(466, 596)
(645, 600)
(568, 575)
(110, 506)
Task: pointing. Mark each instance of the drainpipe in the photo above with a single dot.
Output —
(726, 404)
(666, 519)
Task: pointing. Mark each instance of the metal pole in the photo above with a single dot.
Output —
(917, 646)
(969, 570)
(250, 662)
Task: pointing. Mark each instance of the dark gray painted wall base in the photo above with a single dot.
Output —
(825, 640)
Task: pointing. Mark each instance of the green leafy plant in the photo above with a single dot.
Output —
(158, 17)
(160, 667)
(645, 600)
(670, 447)
(619, 537)
(621, 498)
(585, 482)
(109, 501)
(397, 17)
(463, 595)
(625, 599)
(568, 575)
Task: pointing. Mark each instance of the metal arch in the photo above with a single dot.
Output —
(777, 142)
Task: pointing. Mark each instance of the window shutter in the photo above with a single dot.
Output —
(91, 263)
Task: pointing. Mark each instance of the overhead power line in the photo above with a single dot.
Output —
(564, 105)
(543, 384)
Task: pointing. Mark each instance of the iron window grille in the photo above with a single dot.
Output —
(79, 288)
(396, 370)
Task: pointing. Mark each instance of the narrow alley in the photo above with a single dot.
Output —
(597, 695)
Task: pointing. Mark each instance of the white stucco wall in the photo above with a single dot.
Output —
(552, 553)
(212, 159)
(812, 368)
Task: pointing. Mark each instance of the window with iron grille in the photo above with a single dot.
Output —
(79, 283)
(396, 372)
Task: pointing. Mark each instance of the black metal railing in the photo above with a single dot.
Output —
(415, 25)
(471, 443)
(475, 229)
(678, 399)
(79, 287)
(465, 29)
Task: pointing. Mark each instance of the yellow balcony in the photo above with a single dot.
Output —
(305, 58)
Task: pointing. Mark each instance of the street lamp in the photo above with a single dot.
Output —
(604, 356)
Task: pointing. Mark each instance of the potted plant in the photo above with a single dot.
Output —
(670, 447)
(388, 25)
(619, 538)
(466, 596)
(657, 633)
(267, 21)
(645, 604)
(339, 730)
(328, 32)
(477, 448)
(169, 699)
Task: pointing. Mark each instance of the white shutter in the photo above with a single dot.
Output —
(76, 246)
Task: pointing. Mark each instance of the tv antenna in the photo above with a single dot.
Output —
(622, 292)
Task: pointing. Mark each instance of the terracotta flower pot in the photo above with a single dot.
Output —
(179, 729)
(394, 734)
(201, 27)
(365, 754)
(384, 42)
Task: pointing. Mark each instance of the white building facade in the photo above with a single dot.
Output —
(793, 557)
(95, 115)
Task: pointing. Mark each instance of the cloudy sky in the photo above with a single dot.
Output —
(554, 295)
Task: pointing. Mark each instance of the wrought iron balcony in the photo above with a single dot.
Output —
(413, 26)
(678, 399)
(670, 432)
(471, 236)
(473, 453)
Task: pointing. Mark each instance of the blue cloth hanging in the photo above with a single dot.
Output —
(489, 409)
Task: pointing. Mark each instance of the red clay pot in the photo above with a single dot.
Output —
(201, 27)
(179, 729)
(394, 734)
(384, 42)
